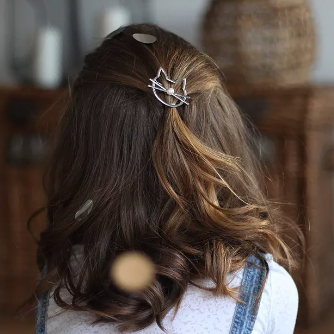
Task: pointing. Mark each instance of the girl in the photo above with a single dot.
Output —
(153, 157)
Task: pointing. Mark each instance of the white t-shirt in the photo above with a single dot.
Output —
(200, 311)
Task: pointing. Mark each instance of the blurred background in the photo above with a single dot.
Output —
(277, 56)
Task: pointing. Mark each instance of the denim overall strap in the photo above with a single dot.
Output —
(42, 309)
(252, 282)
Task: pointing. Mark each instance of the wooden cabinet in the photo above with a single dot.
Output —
(27, 118)
(297, 127)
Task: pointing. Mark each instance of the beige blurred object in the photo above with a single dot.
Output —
(132, 271)
(261, 42)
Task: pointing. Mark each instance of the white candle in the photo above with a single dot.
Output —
(113, 18)
(48, 58)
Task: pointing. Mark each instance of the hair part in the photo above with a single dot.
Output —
(179, 184)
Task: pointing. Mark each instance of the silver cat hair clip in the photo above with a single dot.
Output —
(158, 86)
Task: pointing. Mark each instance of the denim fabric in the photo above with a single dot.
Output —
(42, 310)
(252, 282)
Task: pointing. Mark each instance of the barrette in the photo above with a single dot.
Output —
(84, 211)
(144, 38)
(158, 86)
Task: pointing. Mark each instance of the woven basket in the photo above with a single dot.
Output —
(261, 42)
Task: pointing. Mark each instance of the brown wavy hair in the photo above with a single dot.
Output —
(178, 184)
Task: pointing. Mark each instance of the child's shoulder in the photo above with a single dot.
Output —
(280, 280)
(279, 302)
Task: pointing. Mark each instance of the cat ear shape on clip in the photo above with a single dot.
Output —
(163, 75)
(157, 86)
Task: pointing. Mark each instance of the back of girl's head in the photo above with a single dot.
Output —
(177, 183)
